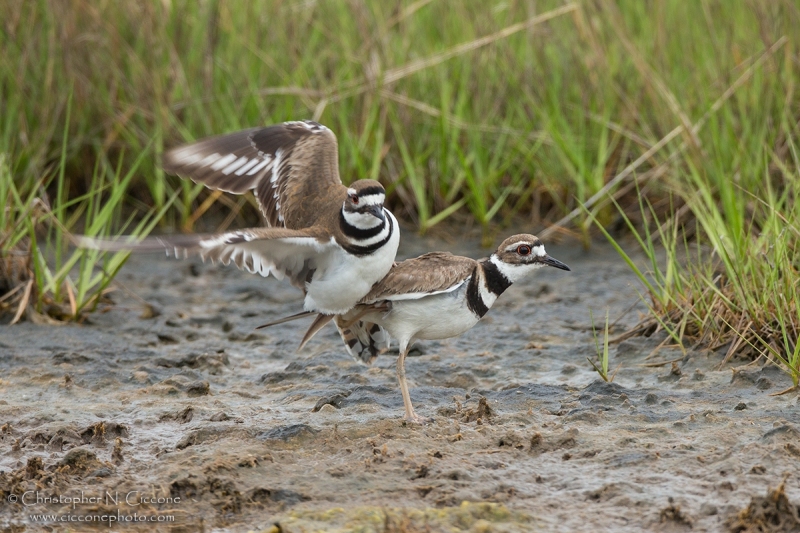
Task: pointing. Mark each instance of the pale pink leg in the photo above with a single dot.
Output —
(410, 415)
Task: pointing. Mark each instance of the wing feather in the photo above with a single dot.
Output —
(431, 273)
(278, 251)
(288, 166)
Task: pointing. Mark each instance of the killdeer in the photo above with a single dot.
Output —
(332, 241)
(435, 296)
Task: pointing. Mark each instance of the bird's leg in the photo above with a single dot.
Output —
(410, 415)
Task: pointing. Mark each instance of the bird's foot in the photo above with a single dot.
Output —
(415, 419)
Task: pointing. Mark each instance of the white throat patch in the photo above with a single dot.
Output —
(361, 220)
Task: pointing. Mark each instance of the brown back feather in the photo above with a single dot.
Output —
(432, 272)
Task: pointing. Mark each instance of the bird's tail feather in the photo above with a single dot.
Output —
(315, 326)
(286, 319)
(363, 340)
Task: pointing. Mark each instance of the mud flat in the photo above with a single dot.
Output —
(195, 421)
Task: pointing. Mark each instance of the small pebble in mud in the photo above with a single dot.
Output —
(183, 416)
(333, 400)
(149, 311)
(56, 444)
(568, 369)
(100, 472)
(741, 406)
(708, 509)
(221, 416)
(198, 388)
(675, 373)
(763, 384)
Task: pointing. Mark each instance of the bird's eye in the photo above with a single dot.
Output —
(354, 199)
(524, 249)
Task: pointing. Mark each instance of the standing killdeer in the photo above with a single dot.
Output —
(332, 241)
(435, 296)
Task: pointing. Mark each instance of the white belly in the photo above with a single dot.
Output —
(341, 279)
(434, 317)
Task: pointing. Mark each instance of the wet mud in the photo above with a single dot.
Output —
(183, 414)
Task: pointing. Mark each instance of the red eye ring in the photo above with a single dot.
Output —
(524, 249)
(354, 199)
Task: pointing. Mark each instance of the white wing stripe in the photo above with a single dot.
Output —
(190, 159)
(276, 168)
(209, 159)
(247, 167)
(223, 162)
(418, 295)
(267, 160)
(236, 164)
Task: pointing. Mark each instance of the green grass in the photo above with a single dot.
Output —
(683, 113)
(529, 121)
(601, 366)
(728, 279)
(41, 276)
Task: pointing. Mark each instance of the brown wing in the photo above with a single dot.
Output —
(288, 166)
(427, 274)
(277, 251)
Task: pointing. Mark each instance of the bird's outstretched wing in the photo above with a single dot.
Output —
(278, 251)
(287, 166)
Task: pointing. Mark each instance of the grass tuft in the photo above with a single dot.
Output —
(601, 366)
(41, 277)
(727, 281)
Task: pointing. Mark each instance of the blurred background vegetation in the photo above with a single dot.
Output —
(675, 121)
(486, 110)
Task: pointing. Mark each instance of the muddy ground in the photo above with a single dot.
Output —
(193, 416)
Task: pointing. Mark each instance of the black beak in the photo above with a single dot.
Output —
(376, 211)
(549, 261)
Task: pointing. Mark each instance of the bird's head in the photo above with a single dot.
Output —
(519, 255)
(363, 207)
